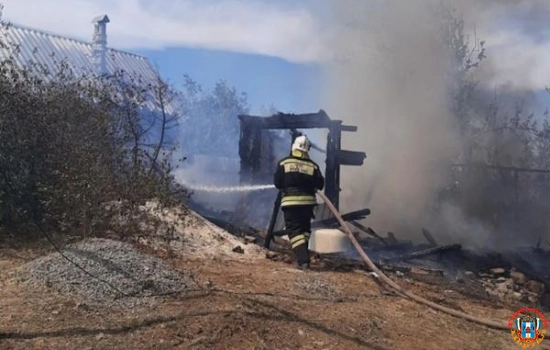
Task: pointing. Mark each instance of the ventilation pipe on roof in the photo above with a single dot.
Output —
(100, 44)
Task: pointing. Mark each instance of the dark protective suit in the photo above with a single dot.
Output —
(298, 177)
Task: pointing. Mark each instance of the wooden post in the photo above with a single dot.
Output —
(250, 150)
(516, 195)
(272, 220)
(332, 170)
(250, 147)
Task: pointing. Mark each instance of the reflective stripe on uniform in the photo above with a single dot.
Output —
(298, 200)
(298, 240)
(297, 161)
(298, 166)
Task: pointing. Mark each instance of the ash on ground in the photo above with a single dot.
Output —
(313, 285)
(143, 278)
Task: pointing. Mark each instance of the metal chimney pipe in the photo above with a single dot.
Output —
(100, 44)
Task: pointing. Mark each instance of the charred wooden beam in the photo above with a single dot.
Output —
(498, 167)
(250, 151)
(429, 237)
(273, 220)
(352, 128)
(351, 157)
(426, 252)
(354, 215)
(332, 168)
(251, 147)
(369, 231)
(391, 238)
(289, 121)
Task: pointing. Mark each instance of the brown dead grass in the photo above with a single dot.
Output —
(254, 304)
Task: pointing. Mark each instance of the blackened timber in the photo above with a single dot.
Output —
(352, 128)
(426, 252)
(351, 157)
(351, 216)
(429, 237)
(332, 169)
(369, 231)
(290, 121)
(273, 220)
(294, 121)
(498, 167)
(249, 151)
(392, 239)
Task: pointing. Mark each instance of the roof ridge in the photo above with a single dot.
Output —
(80, 41)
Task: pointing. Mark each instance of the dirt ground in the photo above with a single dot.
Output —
(258, 304)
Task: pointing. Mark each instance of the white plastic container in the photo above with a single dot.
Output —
(325, 241)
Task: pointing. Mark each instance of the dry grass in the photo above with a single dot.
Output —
(239, 305)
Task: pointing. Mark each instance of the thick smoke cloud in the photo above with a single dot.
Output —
(395, 76)
(392, 81)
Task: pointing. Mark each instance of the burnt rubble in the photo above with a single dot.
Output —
(513, 285)
(518, 277)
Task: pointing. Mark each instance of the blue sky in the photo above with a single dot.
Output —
(270, 50)
(290, 87)
(274, 50)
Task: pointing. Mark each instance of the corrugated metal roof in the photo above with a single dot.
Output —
(49, 49)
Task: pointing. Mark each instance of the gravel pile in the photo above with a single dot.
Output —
(141, 277)
(317, 287)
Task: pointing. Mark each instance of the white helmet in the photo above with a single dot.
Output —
(301, 143)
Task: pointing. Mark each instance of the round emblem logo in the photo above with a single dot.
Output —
(528, 327)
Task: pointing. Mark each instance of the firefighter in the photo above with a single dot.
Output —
(298, 177)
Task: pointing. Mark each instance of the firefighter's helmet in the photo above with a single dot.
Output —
(301, 143)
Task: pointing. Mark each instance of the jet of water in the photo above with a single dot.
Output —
(226, 189)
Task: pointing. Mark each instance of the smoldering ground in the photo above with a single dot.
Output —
(396, 72)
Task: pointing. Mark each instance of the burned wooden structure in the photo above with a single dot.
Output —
(253, 142)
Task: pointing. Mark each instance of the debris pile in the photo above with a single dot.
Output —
(512, 286)
(187, 234)
(522, 280)
(140, 277)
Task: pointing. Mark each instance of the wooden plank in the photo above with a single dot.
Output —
(273, 219)
(332, 168)
(249, 152)
(351, 128)
(426, 252)
(498, 167)
(351, 157)
(392, 239)
(369, 231)
(354, 215)
(429, 237)
(289, 121)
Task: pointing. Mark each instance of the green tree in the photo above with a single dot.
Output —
(212, 126)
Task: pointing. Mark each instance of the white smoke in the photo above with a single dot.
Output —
(393, 84)
(392, 75)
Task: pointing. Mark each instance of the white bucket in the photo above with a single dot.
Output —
(329, 241)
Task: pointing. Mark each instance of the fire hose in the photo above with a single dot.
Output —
(398, 288)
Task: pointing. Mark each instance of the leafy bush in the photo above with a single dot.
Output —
(70, 145)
